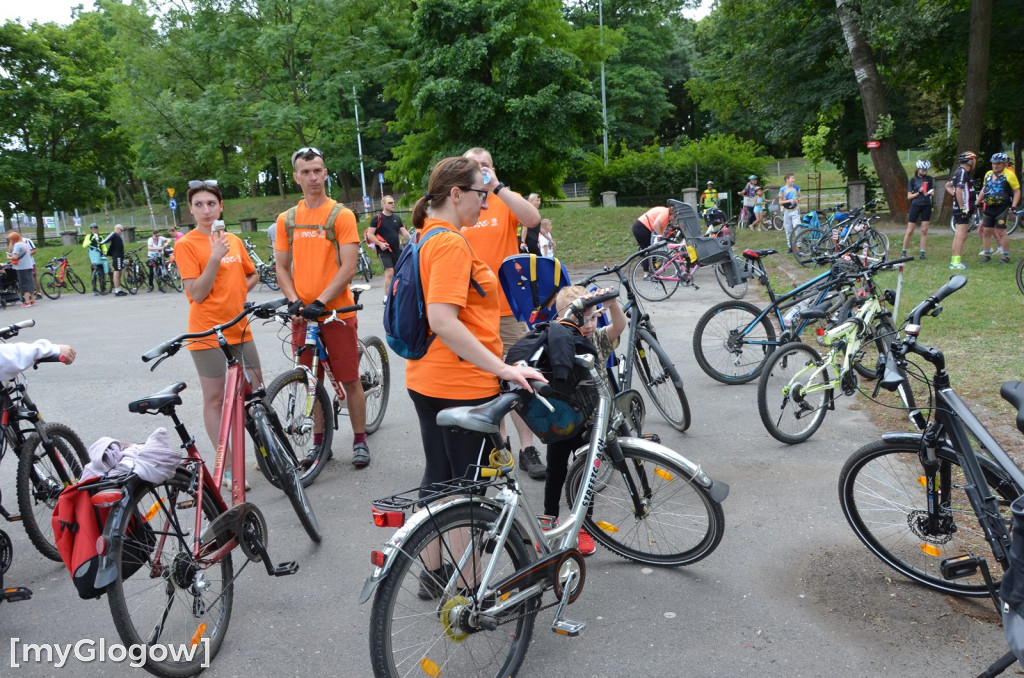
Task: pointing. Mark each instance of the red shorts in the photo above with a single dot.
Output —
(340, 340)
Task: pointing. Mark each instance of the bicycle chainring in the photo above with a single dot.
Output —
(6, 553)
(849, 383)
(252, 529)
(571, 563)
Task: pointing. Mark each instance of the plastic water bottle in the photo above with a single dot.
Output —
(793, 314)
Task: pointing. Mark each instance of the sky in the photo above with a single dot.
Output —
(60, 10)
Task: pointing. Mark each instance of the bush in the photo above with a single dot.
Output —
(655, 174)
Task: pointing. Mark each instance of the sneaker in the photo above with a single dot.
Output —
(958, 267)
(360, 455)
(529, 459)
(921, 256)
(585, 543)
(26, 305)
(985, 259)
(999, 250)
(95, 293)
(985, 253)
(149, 290)
(432, 582)
(38, 296)
(1005, 259)
(120, 293)
(903, 253)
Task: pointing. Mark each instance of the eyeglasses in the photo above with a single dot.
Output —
(209, 183)
(389, 202)
(479, 191)
(306, 149)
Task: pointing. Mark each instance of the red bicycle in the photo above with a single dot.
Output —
(59, 276)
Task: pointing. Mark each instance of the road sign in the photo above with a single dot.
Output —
(173, 204)
(380, 178)
(874, 144)
(170, 192)
(366, 201)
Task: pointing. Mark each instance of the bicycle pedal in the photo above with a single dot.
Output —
(568, 627)
(285, 569)
(15, 594)
(653, 437)
(959, 567)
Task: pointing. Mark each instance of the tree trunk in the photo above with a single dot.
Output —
(280, 177)
(972, 117)
(872, 94)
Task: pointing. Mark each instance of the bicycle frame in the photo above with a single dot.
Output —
(825, 281)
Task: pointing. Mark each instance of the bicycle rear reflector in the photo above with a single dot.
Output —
(377, 558)
(388, 518)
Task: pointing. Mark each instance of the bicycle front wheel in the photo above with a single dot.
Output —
(281, 461)
(877, 243)
(99, 281)
(731, 344)
(130, 280)
(164, 595)
(287, 396)
(43, 472)
(270, 278)
(656, 277)
(808, 245)
(661, 380)
(739, 290)
(375, 376)
(50, 287)
(1020, 276)
(788, 411)
(72, 279)
(174, 278)
(680, 523)
(884, 499)
(429, 613)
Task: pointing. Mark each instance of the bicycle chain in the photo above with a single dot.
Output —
(526, 614)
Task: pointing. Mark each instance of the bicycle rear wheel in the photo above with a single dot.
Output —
(655, 277)
(730, 344)
(739, 290)
(680, 523)
(42, 475)
(269, 276)
(1013, 221)
(1020, 276)
(130, 279)
(50, 287)
(886, 503)
(71, 278)
(163, 594)
(174, 278)
(375, 376)
(280, 460)
(808, 245)
(428, 615)
(789, 413)
(661, 380)
(287, 396)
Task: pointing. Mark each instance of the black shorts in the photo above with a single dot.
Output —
(961, 218)
(388, 258)
(995, 217)
(922, 212)
(117, 263)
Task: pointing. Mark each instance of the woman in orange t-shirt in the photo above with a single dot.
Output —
(218, 274)
(463, 364)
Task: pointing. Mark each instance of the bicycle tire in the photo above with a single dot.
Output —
(808, 245)
(659, 281)
(661, 380)
(279, 457)
(881, 494)
(681, 523)
(777, 408)
(71, 278)
(174, 278)
(722, 353)
(735, 291)
(1014, 223)
(130, 280)
(875, 344)
(37, 497)
(973, 222)
(1020, 276)
(49, 286)
(878, 243)
(776, 221)
(408, 626)
(286, 396)
(375, 376)
(269, 277)
(168, 598)
(99, 282)
(365, 265)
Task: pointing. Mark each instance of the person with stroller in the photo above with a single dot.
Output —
(22, 262)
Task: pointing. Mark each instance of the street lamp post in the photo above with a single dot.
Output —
(359, 143)
(604, 100)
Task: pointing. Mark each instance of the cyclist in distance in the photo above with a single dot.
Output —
(387, 233)
(217, 274)
(155, 254)
(93, 244)
(315, 264)
(652, 222)
(461, 292)
(959, 186)
(1000, 193)
(18, 357)
(919, 193)
(115, 248)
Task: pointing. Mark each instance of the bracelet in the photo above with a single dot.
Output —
(498, 188)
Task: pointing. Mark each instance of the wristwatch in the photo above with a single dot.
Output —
(498, 188)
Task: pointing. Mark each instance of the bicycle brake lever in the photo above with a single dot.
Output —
(159, 360)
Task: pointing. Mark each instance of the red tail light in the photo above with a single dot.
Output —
(377, 559)
(388, 518)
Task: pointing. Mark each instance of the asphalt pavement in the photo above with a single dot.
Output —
(789, 592)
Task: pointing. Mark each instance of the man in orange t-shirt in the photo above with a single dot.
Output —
(314, 273)
(494, 237)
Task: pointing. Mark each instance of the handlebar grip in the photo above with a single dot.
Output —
(267, 308)
(51, 359)
(155, 353)
(601, 298)
(24, 323)
(894, 262)
(539, 387)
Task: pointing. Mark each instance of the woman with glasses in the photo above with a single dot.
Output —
(218, 274)
(387, 233)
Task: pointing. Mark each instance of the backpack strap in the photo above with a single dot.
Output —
(419, 238)
(327, 228)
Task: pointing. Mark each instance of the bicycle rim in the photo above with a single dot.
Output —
(162, 595)
(286, 396)
(1020, 276)
(659, 281)
(280, 459)
(49, 286)
(71, 278)
(680, 523)
(416, 632)
(788, 412)
(722, 349)
(885, 502)
(375, 376)
(661, 380)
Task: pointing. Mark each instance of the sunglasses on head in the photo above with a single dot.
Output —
(306, 149)
(208, 183)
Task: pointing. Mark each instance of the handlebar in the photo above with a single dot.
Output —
(12, 330)
(577, 307)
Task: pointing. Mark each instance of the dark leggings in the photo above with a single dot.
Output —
(643, 240)
(558, 465)
(447, 453)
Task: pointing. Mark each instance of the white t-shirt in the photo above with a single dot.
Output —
(546, 250)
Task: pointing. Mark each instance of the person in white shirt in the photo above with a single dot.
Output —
(16, 358)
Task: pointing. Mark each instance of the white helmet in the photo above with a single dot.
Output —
(923, 164)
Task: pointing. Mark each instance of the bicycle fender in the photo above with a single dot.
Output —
(396, 544)
(899, 437)
(716, 488)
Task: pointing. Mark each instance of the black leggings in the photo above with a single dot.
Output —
(643, 240)
(447, 453)
(558, 467)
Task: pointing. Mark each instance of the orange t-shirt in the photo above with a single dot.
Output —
(314, 257)
(446, 263)
(494, 237)
(656, 219)
(226, 297)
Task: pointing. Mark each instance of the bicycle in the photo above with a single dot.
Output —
(300, 399)
(363, 265)
(100, 275)
(797, 386)
(266, 271)
(165, 271)
(931, 504)
(645, 355)
(666, 272)
(58, 276)
(51, 456)
(457, 588)
(133, 275)
(1020, 276)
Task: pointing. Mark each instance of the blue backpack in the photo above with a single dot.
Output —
(405, 312)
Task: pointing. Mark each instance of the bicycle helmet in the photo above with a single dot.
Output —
(711, 183)
(923, 164)
(999, 157)
(752, 177)
(966, 157)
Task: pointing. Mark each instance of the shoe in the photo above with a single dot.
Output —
(985, 259)
(546, 523)
(999, 251)
(789, 251)
(433, 582)
(26, 305)
(529, 459)
(38, 296)
(903, 253)
(149, 290)
(921, 256)
(585, 543)
(95, 293)
(1005, 260)
(360, 455)
(985, 253)
(120, 293)
(958, 267)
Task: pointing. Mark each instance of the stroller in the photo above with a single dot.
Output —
(9, 292)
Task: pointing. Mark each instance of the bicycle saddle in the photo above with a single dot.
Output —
(157, 402)
(479, 418)
(757, 254)
(1013, 393)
